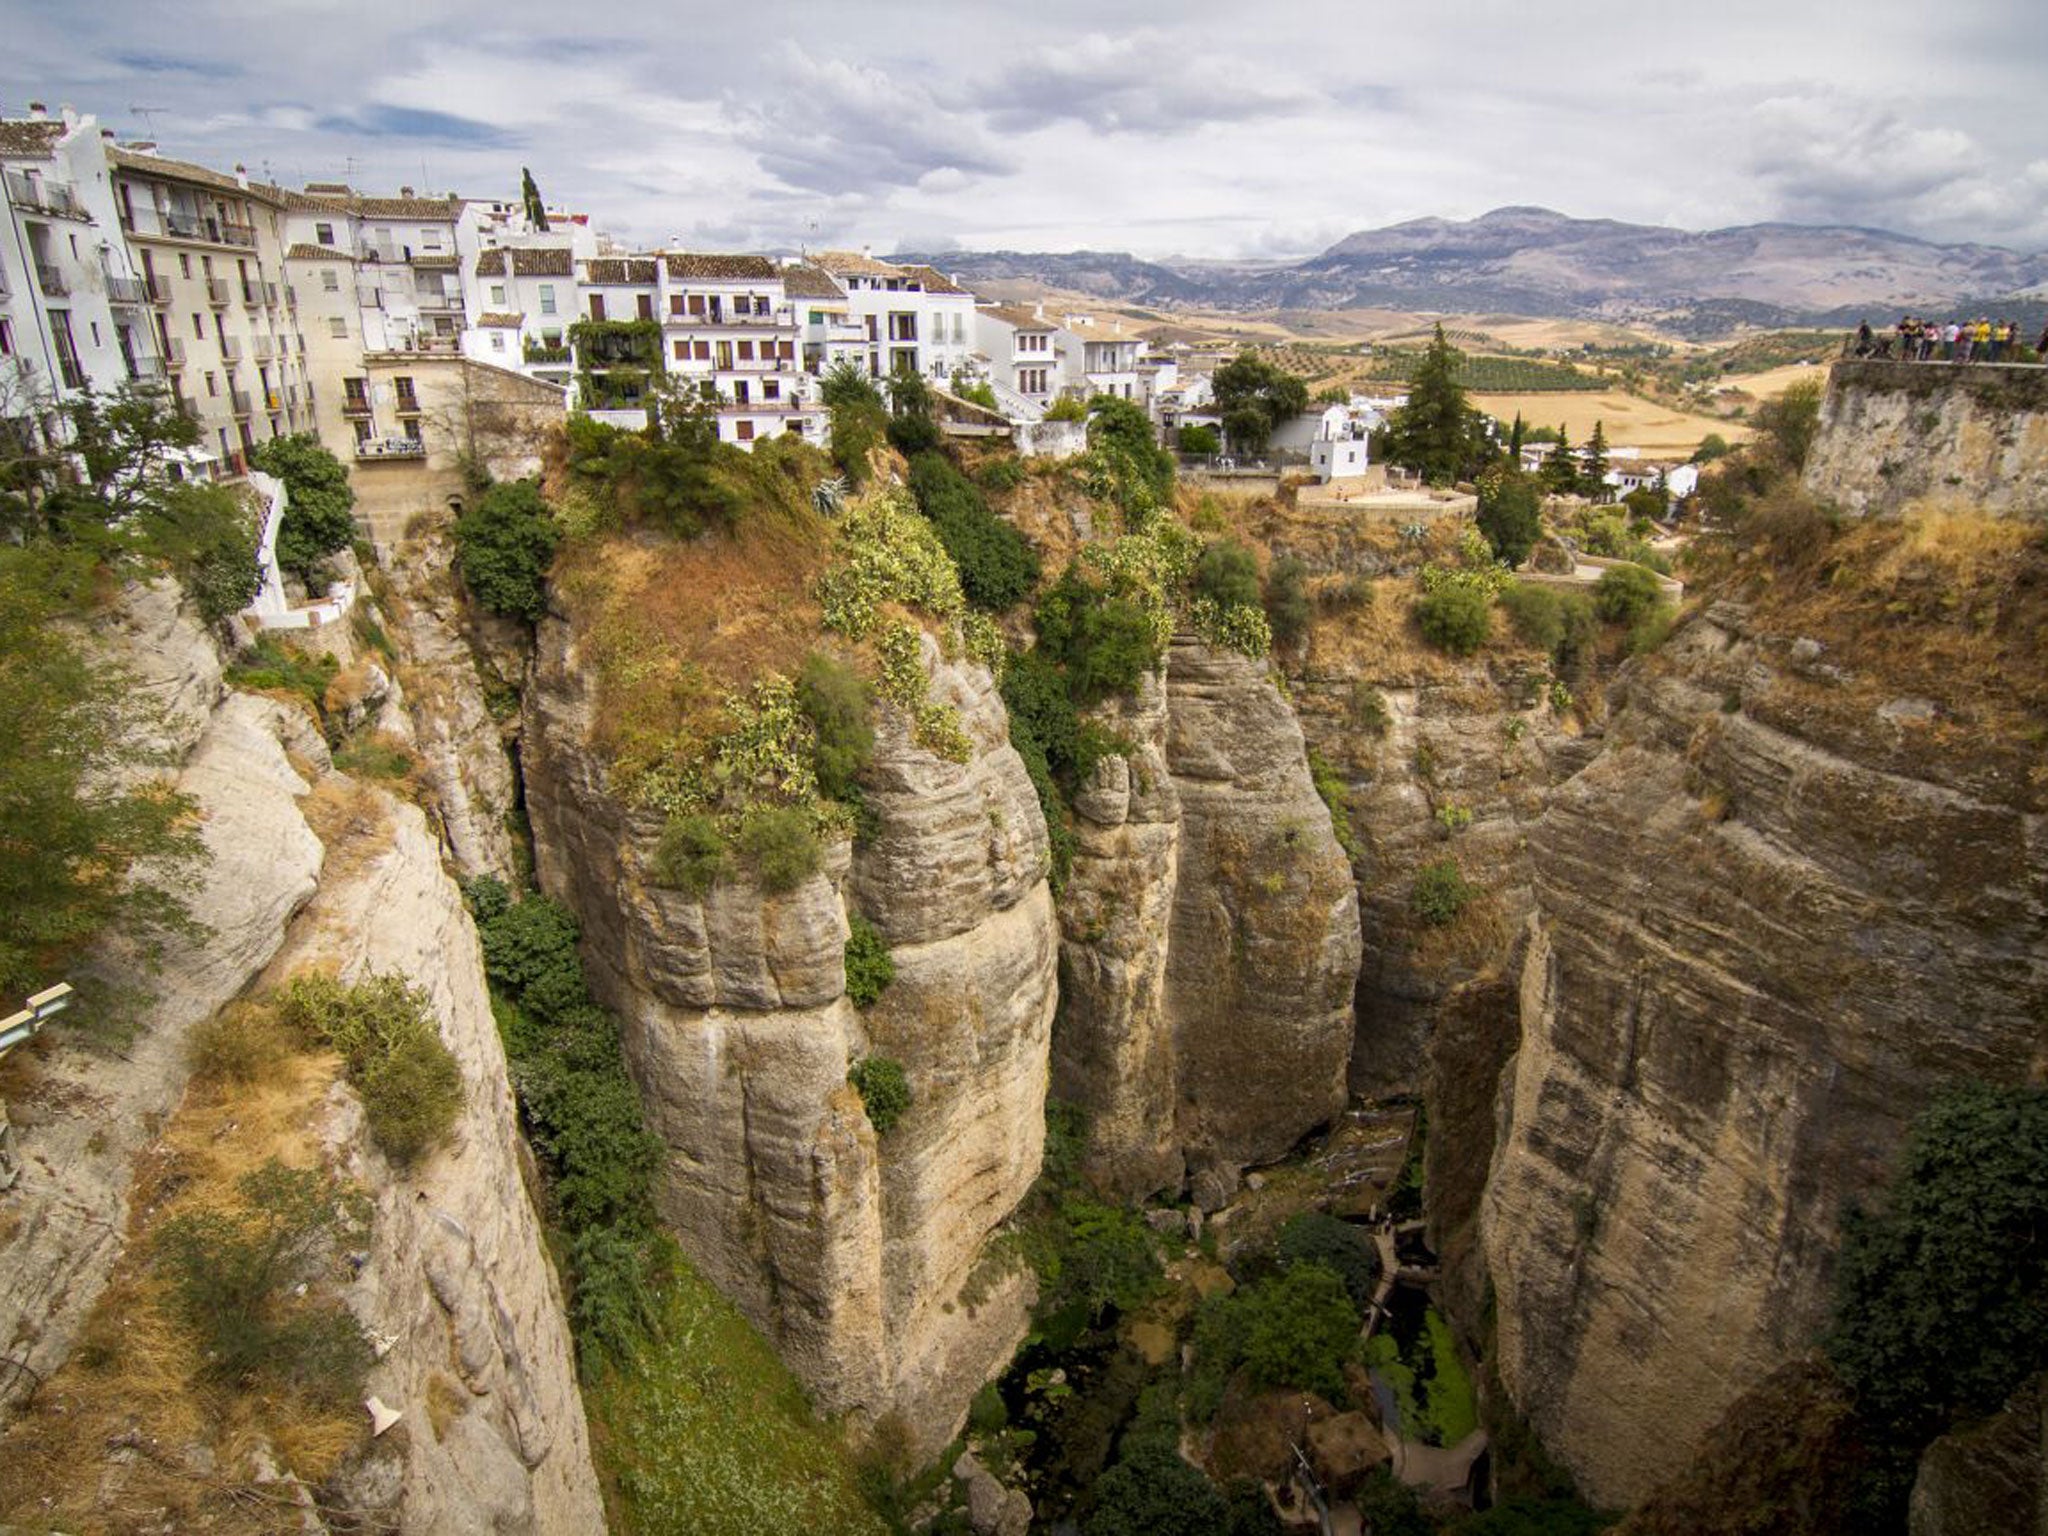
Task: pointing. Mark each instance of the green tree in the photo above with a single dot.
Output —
(859, 418)
(1624, 593)
(1593, 475)
(1713, 446)
(1227, 574)
(1199, 438)
(529, 194)
(1437, 433)
(834, 697)
(1517, 435)
(1510, 512)
(1941, 1296)
(318, 502)
(504, 543)
(1254, 397)
(1456, 618)
(1151, 1491)
(1287, 606)
(1315, 1237)
(1560, 472)
(1302, 1329)
(1790, 423)
(81, 824)
(1123, 447)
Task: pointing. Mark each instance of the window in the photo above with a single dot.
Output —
(597, 306)
(696, 303)
(330, 280)
(497, 341)
(199, 328)
(771, 389)
(682, 350)
(743, 430)
(6, 337)
(498, 295)
(675, 303)
(646, 306)
(430, 240)
(337, 327)
(95, 333)
(547, 298)
(703, 351)
(184, 263)
(746, 351)
(212, 383)
(324, 233)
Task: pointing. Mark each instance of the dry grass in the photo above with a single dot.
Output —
(671, 627)
(1946, 603)
(352, 820)
(1629, 421)
(128, 1435)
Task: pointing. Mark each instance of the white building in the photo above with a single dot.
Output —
(1024, 360)
(1338, 451)
(405, 260)
(523, 298)
(74, 310)
(831, 333)
(1101, 358)
(915, 318)
(727, 320)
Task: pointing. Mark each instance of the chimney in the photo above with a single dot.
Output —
(405, 191)
(37, 112)
(107, 134)
(242, 177)
(69, 114)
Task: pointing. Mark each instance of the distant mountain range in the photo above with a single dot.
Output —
(1532, 261)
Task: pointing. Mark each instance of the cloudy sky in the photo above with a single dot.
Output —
(1263, 130)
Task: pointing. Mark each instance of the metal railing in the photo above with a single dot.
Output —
(240, 402)
(50, 280)
(408, 405)
(391, 448)
(126, 290)
(174, 352)
(145, 368)
(217, 292)
(159, 290)
(44, 196)
(230, 349)
(262, 348)
(354, 405)
(233, 234)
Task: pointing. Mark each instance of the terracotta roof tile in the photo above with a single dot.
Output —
(617, 269)
(714, 268)
(853, 264)
(24, 137)
(495, 320)
(495, 263)
(1021, 316)
(198, 175)
(318, 253)
(934, 281)
(803, 281)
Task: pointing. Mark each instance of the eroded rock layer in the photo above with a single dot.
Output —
(850, 1251)
(1768, 926)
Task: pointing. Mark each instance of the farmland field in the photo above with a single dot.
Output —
(1629, 420)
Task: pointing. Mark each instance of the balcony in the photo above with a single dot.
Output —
(174, 352)
(540, 352)
(355, 405)
(149, 369)
(37, 196)
(185, 226)
(126, 290)
(50, 280)
(233, 234)
(159, 290)
(408, 405)
(273, 400)
(230, 349)
(262, 348)
(391, 448)
(239, 400)
(217, 292)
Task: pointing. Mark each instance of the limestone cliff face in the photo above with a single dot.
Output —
(849, 1251)
(1893, 432)
(457, 1289)
(1768, 923)
(1211, 936)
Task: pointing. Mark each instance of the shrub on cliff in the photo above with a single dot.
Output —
(834, 698)
(1288, 609)
(869, 970)
(504, 543)
(1315, 1237)
(1624, 593)
(1105, 643)
(781, 845)
(1510, 513)
(997, 564)
(391, 1048)
(1440, 893)
(884, 1090)
(1455, 618)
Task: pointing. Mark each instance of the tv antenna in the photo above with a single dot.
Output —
(149, 115)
